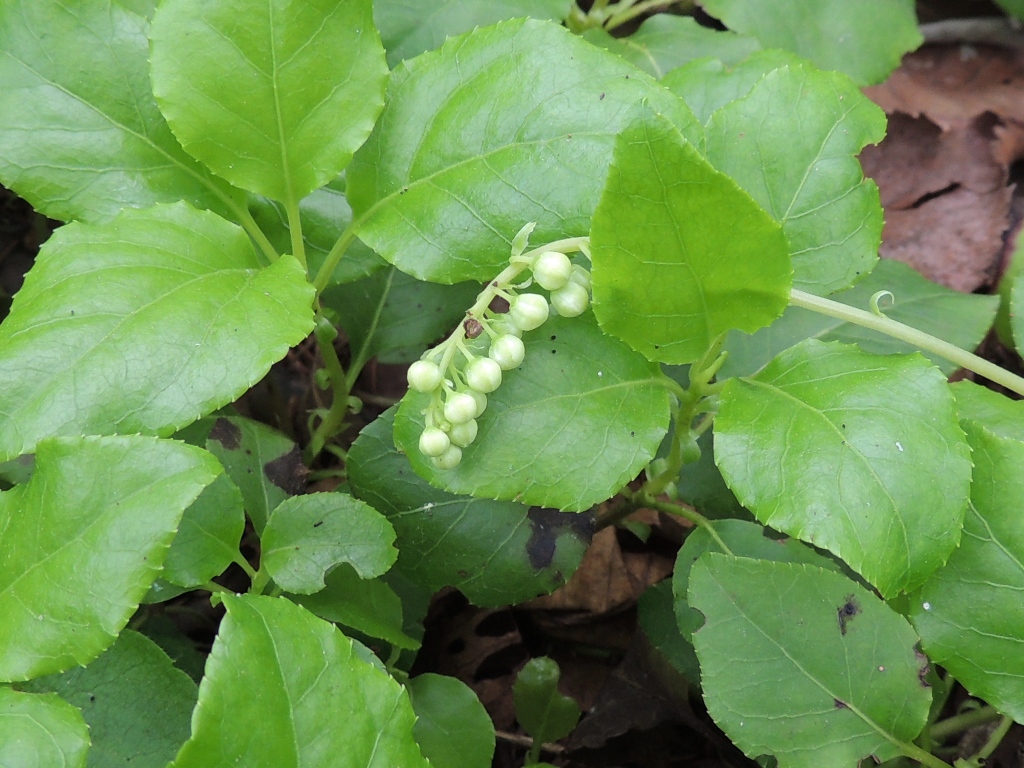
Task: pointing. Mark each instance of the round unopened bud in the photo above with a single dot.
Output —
(570, 300)
(551, 270)
(433, 442)
(480, 400)
(449, 459)
(483, 375)
(465, 433)
(507, 351)
(503, 325)
(460, 407)
(424, 376)
(580, 276)
(529, 311)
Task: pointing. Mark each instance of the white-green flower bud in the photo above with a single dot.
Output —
(551, 270)
(449, 459)
(507, 351)
(483, 375)
(465, 433)
(433, 442)
(529, 311)
(503, 325)
(570, 300)
(424, 376)
(580, 276)
(460, 407)
(480, 399)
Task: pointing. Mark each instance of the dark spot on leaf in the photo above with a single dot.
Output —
(553, 351)
(843, 426)
(318, 524)
(287, 472)
(632, 434)
(227, 434)
(601, 97)
(840, 704)
(545, 526)
(92, 697)
(553, 337)
(248, 452)
(472, 327)
(657, 346)
(404, 190)
(846, 612)
(922, 668)
(72, 312)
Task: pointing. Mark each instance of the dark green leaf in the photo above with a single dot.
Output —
(80, 133)
(669, 281)
(137, 704)
(859, 454)
(463, 155)
(395, 317)
(275, 98)
(573, 424)
(410, 27)
(995, 412)
(969, 613)
(40, 730)
(452, 727)
(805, 172)
(701, 485)
(301, 683)
(143, 324)
(83, 540)
(207, 539)
(494, 552)
(959, 318)
(805, 664)
(664, 42)
(657, 619)
(543, 712)
(865, 39)
(308, 535)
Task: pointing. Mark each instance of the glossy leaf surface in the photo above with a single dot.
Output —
(136, 703)
(969, 613)
(410, 27)
(829, 672)
(452, 727)
(142, 324)
(83, 540)
(208, 536)
(252, 95)
(959, 318)
(568, 428)
(865, 39)
(543, 712)
(308, 535)
(855, 453)
(666, 280)
(804, 171)
(81, 136)
(463, 156)
(38, 730)
(494, 552)
(985, 408)
(316, 701)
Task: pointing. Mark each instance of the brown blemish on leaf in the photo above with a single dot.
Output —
(227, 434)
(846, 612)
(287, 472)
(840, 704)
(545, 527)
(923, 668)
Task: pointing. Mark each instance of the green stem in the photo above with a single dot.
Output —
(323, 277)
(917, 338)
(253, 230)
(295, 228)
(213, 588)
(259, 582)
(641, 499)
(631, 11)
(325, 334)
(914, 752)
(242, 563)
(951, 726)
(994, 740)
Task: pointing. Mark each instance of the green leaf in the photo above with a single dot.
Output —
(805, 172)
(369, 606)
(1012, 7)
(969, 613)
(865, 39)
(266, 466)
(325, 214)
(664, 42)
(306, 536)
(463, 155)
(80, 133)
(143, 324)
(395, 317)
(669, 282)
(656, 617)
(984, 408)
(829, 673)
(251, 94)
(410, 27)
(452, 727)
(543, 712)
(494, 552)
(708, 84)
(83, 540)
(316, 702)
(208, 536)
(38, 730)
(701, 485)
(565, 430)
(959, 318)
(136, 703)
(856, 453)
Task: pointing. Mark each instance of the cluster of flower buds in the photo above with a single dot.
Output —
(458, 395)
